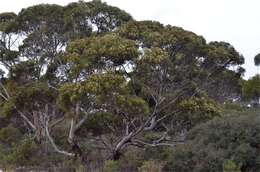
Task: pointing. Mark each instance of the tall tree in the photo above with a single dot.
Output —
(110, 82)
(45, 31)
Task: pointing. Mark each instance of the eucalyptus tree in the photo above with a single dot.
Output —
(163, 69)
(31, 46)
(110, 82)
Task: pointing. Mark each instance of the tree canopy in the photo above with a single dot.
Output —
(251, 89)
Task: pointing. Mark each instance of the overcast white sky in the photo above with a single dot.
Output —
(233, 21)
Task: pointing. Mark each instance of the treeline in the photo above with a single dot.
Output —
(86, 87)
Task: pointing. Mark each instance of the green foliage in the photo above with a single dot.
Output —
(9, 134)
(48, 16)
(150, 166)
(146, 31)
(133, 106)
(99, 53)
(210, 144)
(231, 107)
(98, 88)
(19, 72)
(99, 123)
(8, 56)
(132, 160)
(230, 166)
(227, 52)
(76, 23)
(69, 94)
(80, 17)
(110, 46)
(107, 84)
(251, 89)
(7, 22)
(6, 110)
(160, 154)
(197, 110)
(21, 153)
(111, 166)
(107, 17)
(154, 55)
(32, 96)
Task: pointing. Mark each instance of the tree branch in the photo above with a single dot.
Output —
(26, 119)
(139, 142)
(57, 121)
(53, 143)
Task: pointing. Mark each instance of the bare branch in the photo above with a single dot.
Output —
(127, 128)
(26, 119)
(57, 122)
(53, 143)
(5, 90)
(152, 124)
(124, 140)
(139, 142)
(142, 127)
(81, 122)
(2, 95)
(71, 133)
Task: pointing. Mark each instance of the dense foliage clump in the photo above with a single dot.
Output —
(231, 140)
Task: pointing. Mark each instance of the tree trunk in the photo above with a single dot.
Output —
(39, 132)
(116, 155)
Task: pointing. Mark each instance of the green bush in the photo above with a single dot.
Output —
(236, 138)
(131, 160)
(230, 166)
(9, 134)
(21, 153)
(111, 166)
(150, 166)
(231, 106)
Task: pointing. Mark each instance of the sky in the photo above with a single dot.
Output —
(233, 21)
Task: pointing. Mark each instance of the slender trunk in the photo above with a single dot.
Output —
(38, 131)
(116, 154)
(53, 143)
(74, 145)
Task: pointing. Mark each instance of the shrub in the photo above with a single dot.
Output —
(150, 166)
(236, 138)
(111, 166)
(230, 166)
(20, 154)
(131, 160)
